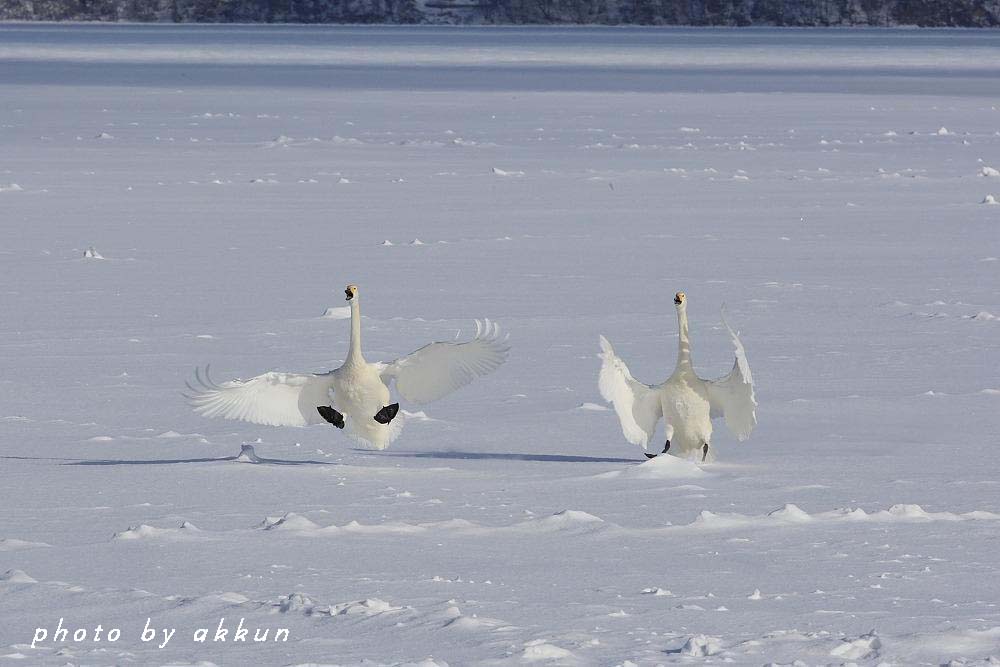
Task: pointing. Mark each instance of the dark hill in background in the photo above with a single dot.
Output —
(956, 13)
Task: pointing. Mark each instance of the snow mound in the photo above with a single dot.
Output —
(295, 602)
(501, 172)
(656, 591)
(710, 520)
(11, 544)
(280, 141)
(18, 577)
(387, 242)
(564, 520)
(662, 467)
(337, 313)
(103, 135)
(297, 523)
(469, 623)
(350, 141)
(145, 532)
(451, 524)
(910, 512)
(943, 132)
(907, 512)
(13, 187)
(417, 242)
(343, 181)
(865, 647)
(790, 513)
(956, 641)
(593, 407)
(989, 172)
(701, 646)
(376, 529)
(456, 620)
(290, 521)
(91, 253)
(368, 607)
(990, 200)
(539, 650)
(303, 604)
(985, 316)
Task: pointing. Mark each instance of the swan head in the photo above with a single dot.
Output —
(680, 299)
(351, 291)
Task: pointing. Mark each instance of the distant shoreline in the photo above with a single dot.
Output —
(459, 26)
(665, 13)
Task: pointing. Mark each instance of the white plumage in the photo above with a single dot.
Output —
(686, 402)
(358, 389)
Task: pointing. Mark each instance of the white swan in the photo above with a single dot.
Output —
(685, 401)
(356, 395)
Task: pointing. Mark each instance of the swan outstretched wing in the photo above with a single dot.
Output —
(438, 369)
(273, 399)
(637, 404)
(732, 396)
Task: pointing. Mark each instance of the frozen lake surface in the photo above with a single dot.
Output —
(827, 185)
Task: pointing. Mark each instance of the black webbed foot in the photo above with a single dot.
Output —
(704, 452)
(387, 414)
(331, 415)
(666, 448)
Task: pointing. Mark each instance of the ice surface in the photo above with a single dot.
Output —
(250, 172)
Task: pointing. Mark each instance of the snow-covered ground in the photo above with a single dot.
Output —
(177, 196)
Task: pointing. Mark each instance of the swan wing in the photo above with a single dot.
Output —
(437, 369)
(637, 405)
(732, 396)
(273, 399)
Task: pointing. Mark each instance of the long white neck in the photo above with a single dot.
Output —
(683, 342)
(354, 355)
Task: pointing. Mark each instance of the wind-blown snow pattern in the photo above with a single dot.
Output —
(233, 179)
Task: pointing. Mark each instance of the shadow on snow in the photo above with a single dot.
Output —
(513, 456)
(139, 462)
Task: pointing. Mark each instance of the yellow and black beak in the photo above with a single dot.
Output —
(679, 298)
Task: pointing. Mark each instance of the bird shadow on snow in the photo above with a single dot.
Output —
(139, 462)
(513, 456)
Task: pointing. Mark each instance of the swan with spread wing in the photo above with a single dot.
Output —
(686, 402)
(356, 395)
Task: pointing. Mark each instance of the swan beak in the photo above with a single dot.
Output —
(349, 293)
(679, 298)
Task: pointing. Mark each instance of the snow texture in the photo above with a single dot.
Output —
(511, 523)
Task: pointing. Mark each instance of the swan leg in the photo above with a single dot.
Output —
(387, 414)
(331, 415)
(704, 452)
(666, 448)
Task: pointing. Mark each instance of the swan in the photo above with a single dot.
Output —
(685, 401)
(356, 395)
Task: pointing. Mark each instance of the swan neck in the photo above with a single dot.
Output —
(354, 355)
(683, 341)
